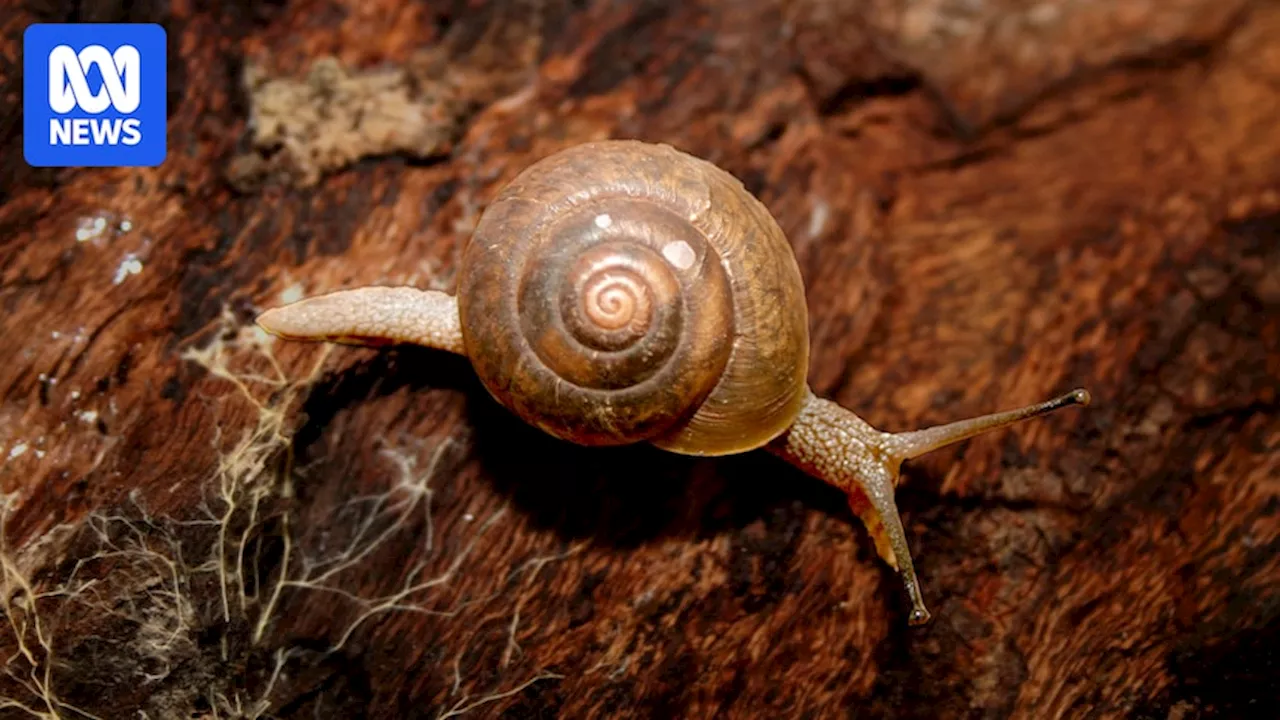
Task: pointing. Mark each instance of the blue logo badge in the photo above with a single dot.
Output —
(93, 95)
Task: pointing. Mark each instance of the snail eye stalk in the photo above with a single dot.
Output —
(836, 446)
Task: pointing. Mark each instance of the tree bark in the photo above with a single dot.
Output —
(989, 207)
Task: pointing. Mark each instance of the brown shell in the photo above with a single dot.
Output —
(621, 291)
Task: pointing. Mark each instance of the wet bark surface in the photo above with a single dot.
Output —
(989, 206)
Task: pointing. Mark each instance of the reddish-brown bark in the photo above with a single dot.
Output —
(1090, 199)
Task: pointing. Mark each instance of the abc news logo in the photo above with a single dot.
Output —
(69, 89)
(94, 95)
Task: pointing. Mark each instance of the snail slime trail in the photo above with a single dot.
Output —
(621, 292)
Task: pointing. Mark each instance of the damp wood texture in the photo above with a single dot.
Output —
(989, 204)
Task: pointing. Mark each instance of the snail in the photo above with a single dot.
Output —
(622, 292)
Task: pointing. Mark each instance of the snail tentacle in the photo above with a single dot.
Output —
(836, 446)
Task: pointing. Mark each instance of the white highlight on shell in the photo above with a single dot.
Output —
(18, 450)
(678, 253)
(603, 221)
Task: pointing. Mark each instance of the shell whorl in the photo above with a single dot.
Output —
(607, 293)
(598, 303)
(607, 315)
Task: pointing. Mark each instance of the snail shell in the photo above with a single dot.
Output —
(621, 291)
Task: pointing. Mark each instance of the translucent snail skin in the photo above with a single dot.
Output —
(620, 292)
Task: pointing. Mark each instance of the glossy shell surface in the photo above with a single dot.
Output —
(621, 291)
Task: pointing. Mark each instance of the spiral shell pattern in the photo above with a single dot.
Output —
(613, 313)
(605, 311)
(597, 304)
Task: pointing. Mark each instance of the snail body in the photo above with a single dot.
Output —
(620, 292)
